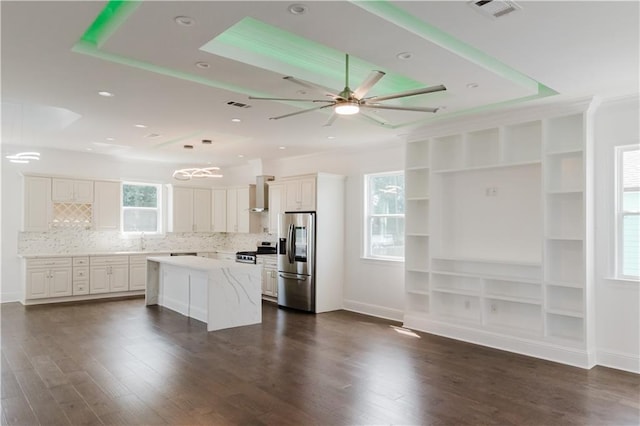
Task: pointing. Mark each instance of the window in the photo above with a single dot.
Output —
(141, 207)
(628, 211)
(384, 216)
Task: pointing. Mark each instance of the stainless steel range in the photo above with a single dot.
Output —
(246, 257)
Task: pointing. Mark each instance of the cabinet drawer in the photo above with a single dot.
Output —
(81, 261)
(80, 287)
(49, 262)
(138, 259)
(108, 260)
(80, 274)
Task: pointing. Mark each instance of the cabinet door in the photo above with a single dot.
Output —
(37, 203)
(60, 282)
(106, 207)
(138, 277)
(62, 190)
(37, 283)
(308, 194)
(202, 210)
(219, 210)
(243, 210)
(276, 205)
(119, 278)
(182, 209)
(83, 191)
(292, 190)
(98, 280)
(232, 210)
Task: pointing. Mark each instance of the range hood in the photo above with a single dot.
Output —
(262, 194)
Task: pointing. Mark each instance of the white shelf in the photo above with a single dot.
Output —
(566, 152)
(457, 291)
(422, 270)
(563, 284)
(419, 292)
(565, 313)
(415, 234)
(563, 238)
(494, 261)
(417, 168)
(564, 191)
(523, 300)
(417, 198)
(489, 167)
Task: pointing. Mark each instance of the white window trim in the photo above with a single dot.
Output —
(160, 228)
(620, 213)
(366, 255)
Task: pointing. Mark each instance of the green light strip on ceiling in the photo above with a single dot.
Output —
(108, 21)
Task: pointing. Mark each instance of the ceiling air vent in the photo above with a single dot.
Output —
(494, 8)
(238, 104)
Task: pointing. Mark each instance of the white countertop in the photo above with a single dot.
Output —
(198, 263)
(120, 253)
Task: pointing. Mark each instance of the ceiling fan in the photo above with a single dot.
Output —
(349, 102)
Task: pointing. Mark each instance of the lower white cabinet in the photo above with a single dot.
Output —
(108, 274)
(269, 275)
(138, 272)
(48, 277)
(80, 275)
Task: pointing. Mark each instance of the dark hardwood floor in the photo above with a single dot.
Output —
(119, 362)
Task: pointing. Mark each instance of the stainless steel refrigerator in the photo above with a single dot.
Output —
(296, 261)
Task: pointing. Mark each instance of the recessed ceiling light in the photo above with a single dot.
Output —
(240, 156)
(282, 147)
(236, 120)
(110, 139)
(89, 149)
(331, 137)
(472, 85)
(185, 21)
(141, 126)
(297, 9)
(301, 92)
(404, 55)
(203, 65)
(105, 94)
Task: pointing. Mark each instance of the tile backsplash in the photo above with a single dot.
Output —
(78, 241)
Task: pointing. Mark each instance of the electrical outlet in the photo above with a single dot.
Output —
(494, 308)
(467, 304)
(491, 191)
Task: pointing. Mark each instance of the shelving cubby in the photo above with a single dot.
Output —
(482, 148)
(564, 134)
(417, 218)
(457, 307)
(564, 216)
(417, 303)
(417, 183)
(448, 153)
(520, 317)
(416, 256)
(451, 282)
(417, 155)
(522, 142)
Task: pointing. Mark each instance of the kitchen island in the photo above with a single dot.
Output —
(221, 293)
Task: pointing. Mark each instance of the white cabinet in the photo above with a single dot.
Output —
(108, 274)
(37, 203)
(48, 277)
(269, 275)
(219, 210)
(190, 209)
(300, 194)
(80, 275)
(239, 218)
(72, 191)
(106, 206)
(277, 200)
(138, 272)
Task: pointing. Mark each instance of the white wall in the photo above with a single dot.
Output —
(371, 287)
(617, 302)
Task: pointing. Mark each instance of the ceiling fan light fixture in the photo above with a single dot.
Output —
(347, 108)
(195, 172)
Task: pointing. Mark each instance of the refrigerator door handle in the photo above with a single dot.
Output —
(292, 277)
(292, 243)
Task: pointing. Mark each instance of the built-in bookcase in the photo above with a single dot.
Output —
(496, 236)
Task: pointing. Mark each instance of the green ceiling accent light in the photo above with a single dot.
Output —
(108, 21)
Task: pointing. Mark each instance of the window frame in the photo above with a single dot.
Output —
(620, 213)
(366, 243)
(159, 228)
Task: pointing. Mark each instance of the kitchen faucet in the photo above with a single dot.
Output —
(142, 241)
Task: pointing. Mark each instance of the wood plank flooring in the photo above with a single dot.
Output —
(119, 362)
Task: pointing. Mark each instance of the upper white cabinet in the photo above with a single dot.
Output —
(300, 193)
(37, 203)
(277, 200)
(219, 210)
(190, 209)
(239, 218)
(106, 207)
(72, 191)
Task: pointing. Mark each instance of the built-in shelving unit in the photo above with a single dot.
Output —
(496, 236)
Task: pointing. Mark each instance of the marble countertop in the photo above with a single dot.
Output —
(198, 263)
(121, 253)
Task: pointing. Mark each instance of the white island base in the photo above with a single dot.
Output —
(221, 293)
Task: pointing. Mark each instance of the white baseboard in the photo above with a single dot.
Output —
(618, 360)
(82, 298)
(10, 297)
(373, 310)
(577, 357)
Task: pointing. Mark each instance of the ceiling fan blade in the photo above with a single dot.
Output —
(399, 108)
(289, 99)
(431, 89)
(299, 112)
(366, 85)
(376, 119)
(331, 120)
(312, 86)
